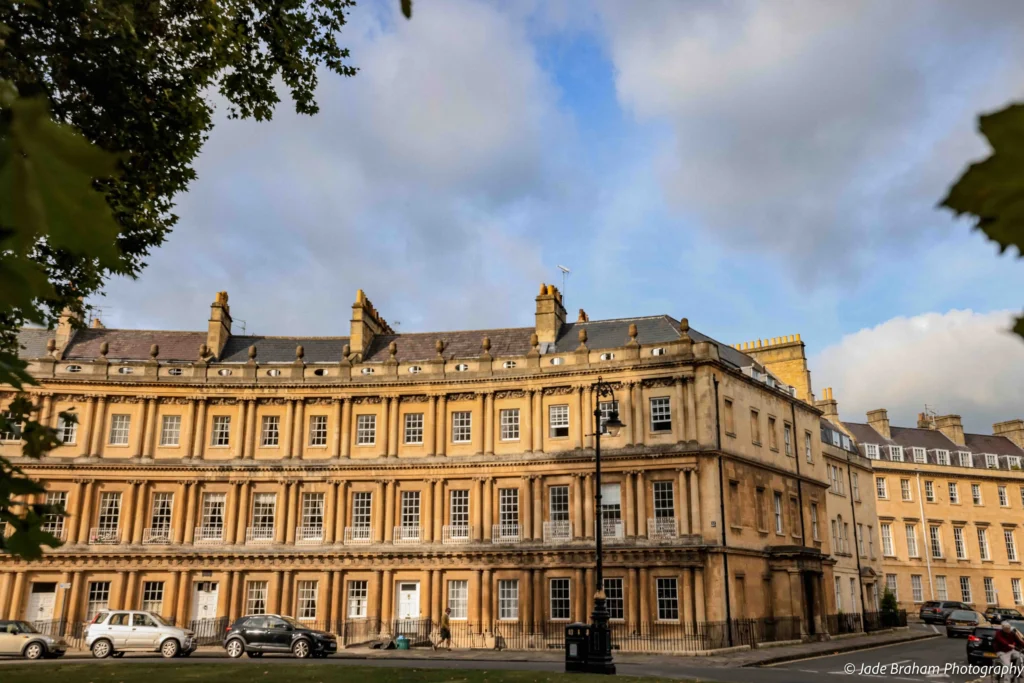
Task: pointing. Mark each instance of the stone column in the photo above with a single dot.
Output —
(394, 431)
(233, 608)
(379, 507)
(526, 429)
(641, 504)
(230, 514)
(588, 506)
(199, 436)
(385, 429)
(538, 596)
(691, 412)
(337, 599)
(180, 504)
(287, 597)
(526, 581)
(578, 438)
(488, 508)
(435, 596)
(293, 513)
(373, 595)
(488, 422)
(626, 413)
(149, 428)
(478, 421)
(683, 511)
(128, 512)
(181, 612)
(633, 598)
(130, 598)
(86, 425)
(190, 512)
(281, 512)
(249, 445)
(99, 419)
(75, 519)
(339, 528)
(274, 605)
(590, 587)
(698, 594)
(538, 508)
(336, 434)
(686, 595)
(578, 592)
(330, 511)
(389, 511)
(476, 599)
(289, 429)
(299, 428)
(430, 425)
(538, 421)
(387, 588)
(587, 417)
(438, 510)
(627, 485)
(526, 525)
(325, 598)
(242, 512)
(16, 596)
(238, 444)
(442, 425)
(577, 506)
(640, 432)
(141, 505)
(678, 412)
(694, 489)
(71, 616)
(486, 603)
(476, 509)
(346, 427)
(645, 599)
(187, 428)
(426, 512)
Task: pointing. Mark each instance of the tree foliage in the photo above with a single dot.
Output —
(991, 191)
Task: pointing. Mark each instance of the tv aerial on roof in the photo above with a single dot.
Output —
(565, 273)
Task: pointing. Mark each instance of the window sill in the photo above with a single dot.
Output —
(109, 445)
(661, 432)
(169, 445)
(736, 527)
(365, 445)
(316, 446)
(415, 443)
(756, 443)
(511, 440)
(269, 446)
(732, 434)
(773, 449)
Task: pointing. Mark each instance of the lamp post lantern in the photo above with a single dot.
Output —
(600, 659)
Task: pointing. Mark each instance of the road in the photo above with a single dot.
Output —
(935, 652)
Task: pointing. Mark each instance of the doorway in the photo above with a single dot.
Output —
(408, 600)
(809, 606)
(204, 600)
(41, 600)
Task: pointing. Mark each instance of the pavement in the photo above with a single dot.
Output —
(824, 662)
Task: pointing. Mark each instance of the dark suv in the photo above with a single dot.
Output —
(936, 611)
(257, 634)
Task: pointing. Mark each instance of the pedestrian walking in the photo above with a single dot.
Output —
(446, 630)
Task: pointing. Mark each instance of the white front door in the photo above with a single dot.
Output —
(408, 600)
(204, 600)
(41, 600)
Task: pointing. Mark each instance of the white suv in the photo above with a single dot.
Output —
(119, 631)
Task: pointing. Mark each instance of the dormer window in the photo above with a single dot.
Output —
(73, 368)
(273, 373)
(871, 450)
(896, 453)
(992, 461)
(660, 351)
(919, 454)
(174, 372)
(607, 356)
(847, 444)
(556, 361)
(124, 370)
(414, 369)
(965, 459)
(367, 371)
(461, 367)
(1013, 462)
(224, 372)
(509, 364)
(320, 372)
(942, 457)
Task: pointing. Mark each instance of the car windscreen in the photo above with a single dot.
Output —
(1017, 624)
(157, 618)
(25, 627)
(963, 615)
(293, 622)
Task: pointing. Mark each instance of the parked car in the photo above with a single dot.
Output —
(997, 614)
(22, 639)
(936, 611)
(118, 631)
(980, 648)
(962, 622)
(257, 634)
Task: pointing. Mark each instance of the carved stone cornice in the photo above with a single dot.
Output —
(558, 391)
(659, 382)
(461, 397)
(122, 398)
(510, 393)
(223, 401)
(273, 401)
(319, 401)
(415, 398)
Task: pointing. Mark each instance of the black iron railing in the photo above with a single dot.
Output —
(876, 621)
(838, 624)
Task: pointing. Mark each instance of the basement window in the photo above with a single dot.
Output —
(125, 370)
(320, 372)
(660, 351)
(175, 372)
(414, 369)
(509, 364)
(74, 368)
(607, 356)
(224, 372)
(273, 373)
(461, 367)
(367, 371)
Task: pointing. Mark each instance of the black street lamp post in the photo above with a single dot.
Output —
(600, 660)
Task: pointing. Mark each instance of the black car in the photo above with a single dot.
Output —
(261, 633)
(962, 622)
(936, 611)
(980, 649)
(997, 614)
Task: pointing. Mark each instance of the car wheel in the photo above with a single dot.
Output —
(34, 651)
(235, 648)
(170, 648)
(102, 649)
(301, 649)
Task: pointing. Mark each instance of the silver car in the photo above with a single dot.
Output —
(22, 639)
(118, 631)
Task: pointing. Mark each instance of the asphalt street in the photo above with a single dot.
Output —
(931, 658)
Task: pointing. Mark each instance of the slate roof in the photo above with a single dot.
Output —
(282, 349)
(916, 437)
(987, 443)
(32, 341)
(866, 433)
(134, 344)
(506, 341)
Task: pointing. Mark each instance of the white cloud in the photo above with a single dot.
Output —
(959, 362)
(821, 132)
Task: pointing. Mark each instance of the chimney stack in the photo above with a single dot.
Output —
(219, 325)
(829, 406)
(66, 325)
(952, 427)
(1012, 430)
(924, 421)
(879, 420)
(550, 313)
(366, 324)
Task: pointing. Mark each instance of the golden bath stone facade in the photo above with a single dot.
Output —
(386, 476)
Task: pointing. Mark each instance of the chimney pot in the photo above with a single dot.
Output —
(154, 351)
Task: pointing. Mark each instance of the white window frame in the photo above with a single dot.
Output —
(941, 590)
(256, 593)
(959, 543)
(614, 592)
(916, 588)
(67, 431)
(989, 584)
(170, 431)
(983, 549)
(1018, 594)
(357, 599)
(97, 599)
(1004, 498)
(965, 589)
(462, 426)
(929, 491)
(558, 420)
(508, 600)
(312, 509)
(458, 599)
(1010, 539)
(976, 494)
(965, 459)
(317, 431)
(220, 431)
(919, 455)
(882, 488)
(887, 545)
(911, 531)
(935, 541)
(362, 509)
(270, 431)
(667, 597)
(905, 493)
(366, 429)
(560, 599)
(413, 429)
(306, 597)
(871, 451)
(777, 507)
(120, 429)
(954, 493)
(108, 521)
(661, 414)
(942, 457)
(153, 596)
(508, 419)
(54, 523)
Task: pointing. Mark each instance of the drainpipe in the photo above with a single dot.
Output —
(856, 537)
(721, 503)
(926, 538)
(799, 484)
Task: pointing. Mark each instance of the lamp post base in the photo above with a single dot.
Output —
(600, 660)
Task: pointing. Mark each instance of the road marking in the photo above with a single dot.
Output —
(902, 661)
(840, 654)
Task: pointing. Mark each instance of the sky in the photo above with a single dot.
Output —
(762, 168)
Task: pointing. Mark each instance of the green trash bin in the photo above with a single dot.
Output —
(402, 642)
